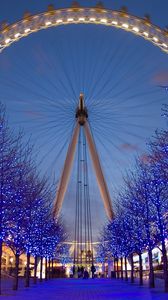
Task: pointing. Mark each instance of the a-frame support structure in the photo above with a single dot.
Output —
(81, 120)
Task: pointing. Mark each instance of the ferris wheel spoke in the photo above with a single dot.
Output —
(112, 136)
(122, 131)
(62, 141)
(127, 75)
(39, 120)
(14, 84)
(111, 157)
(97, 131)
(94, 71)
(47, 131)
(155, 101)
(50, 66)
(68, 79)
(65, 141)
(51, 130)
(134, 96)
(123, 123)
(120, 108)
(109, 57)
(136, 80)
(28, 77)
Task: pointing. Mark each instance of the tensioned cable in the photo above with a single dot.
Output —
(85, 204)
(51, 66)
(81, 196)
(109, 57)
(77, 209)
(88, 229)
(83, 234)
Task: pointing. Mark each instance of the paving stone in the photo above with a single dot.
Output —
(81, 289)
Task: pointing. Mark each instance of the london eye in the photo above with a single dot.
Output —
(89, 96)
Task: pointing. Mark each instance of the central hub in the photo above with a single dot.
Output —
(81, 111)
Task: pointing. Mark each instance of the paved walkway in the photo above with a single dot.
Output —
(79, 289)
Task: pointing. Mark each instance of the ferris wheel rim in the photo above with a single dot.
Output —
(84, 15)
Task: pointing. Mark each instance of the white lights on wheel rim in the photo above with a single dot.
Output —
(27, 30)
(136, 29)
(48, 23)
(125, 25)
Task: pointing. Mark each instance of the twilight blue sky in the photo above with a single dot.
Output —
(13, 10)
(41, 78)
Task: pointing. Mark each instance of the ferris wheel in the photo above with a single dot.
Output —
(86, 121)
(76, 15)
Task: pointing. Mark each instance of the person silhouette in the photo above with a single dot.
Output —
(93, 270)
(85, 274)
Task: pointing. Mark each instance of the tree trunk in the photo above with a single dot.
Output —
(126, 272)
(35, 269)
(151, 271)
(49, 268)
(41, 269)
(15, 284)
(121, 268)
(52, 268)
(117, 269)
(46, 271)
(27, 282)
(165, 266)
(1, 267)
(140, 269)
(132, 268)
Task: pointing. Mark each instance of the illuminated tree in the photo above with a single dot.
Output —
(17, 213)
(26, 221)
(103, 246)
(138, 189)
(158, 170)
(8, 166)
(37, 189)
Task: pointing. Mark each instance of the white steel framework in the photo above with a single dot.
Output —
(76, 15)
(81, 117)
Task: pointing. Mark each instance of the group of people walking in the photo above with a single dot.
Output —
(81, 272)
